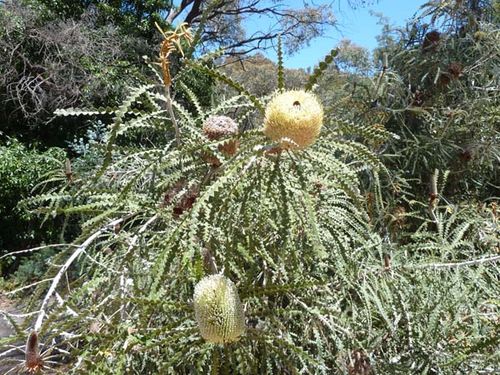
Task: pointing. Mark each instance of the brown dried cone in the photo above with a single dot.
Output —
(399, 217)
(455, 70)
(418, 98)
(230, 147)
(466, 155)
(216, 128)
(172, 192)
(33, 360)
(185, 201)
(387, 262)
(431, 40)
(359, 364)
(444, 79)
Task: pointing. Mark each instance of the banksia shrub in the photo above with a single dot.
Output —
(218, 310)
(293, 118)
(455, 70)
(218, 127)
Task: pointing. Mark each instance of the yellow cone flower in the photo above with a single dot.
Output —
(218, 310)
(293, 118)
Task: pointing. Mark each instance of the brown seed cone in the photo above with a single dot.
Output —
(216, 127)
(431, 40)
(455, 70)
(359, 364)
(228, 148)
(399, 217)
(211, 159)
(444, 79)
(172, 192)
(466, 155)
(186, 203)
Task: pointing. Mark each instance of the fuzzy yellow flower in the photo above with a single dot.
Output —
(293, 118)
(218, 310)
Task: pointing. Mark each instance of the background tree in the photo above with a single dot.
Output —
(352, 58)
(61, 63)
(258, 74)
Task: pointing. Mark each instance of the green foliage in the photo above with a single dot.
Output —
(446, 109)
(60, 63)
(32, 268)
(132, 16)
(318, 71)
(21, 170)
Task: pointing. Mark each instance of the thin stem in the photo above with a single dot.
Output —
(460, 264)
(170, 110)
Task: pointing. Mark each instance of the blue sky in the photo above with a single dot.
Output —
(355, 24)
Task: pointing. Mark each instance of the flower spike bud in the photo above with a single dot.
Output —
(33, 361)
(218, 310)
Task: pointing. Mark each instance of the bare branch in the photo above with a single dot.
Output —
(66, 266)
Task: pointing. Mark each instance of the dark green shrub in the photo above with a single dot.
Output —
(60, 63)
(20, 171)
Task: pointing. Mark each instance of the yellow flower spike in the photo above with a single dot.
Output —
(293, 118)
(218, 310)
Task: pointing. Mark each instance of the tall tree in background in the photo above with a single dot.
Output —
(222, 19)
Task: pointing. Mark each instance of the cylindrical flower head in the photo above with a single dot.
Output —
(293, 118)
(218, 310)
(33, 361)
(216, 127)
